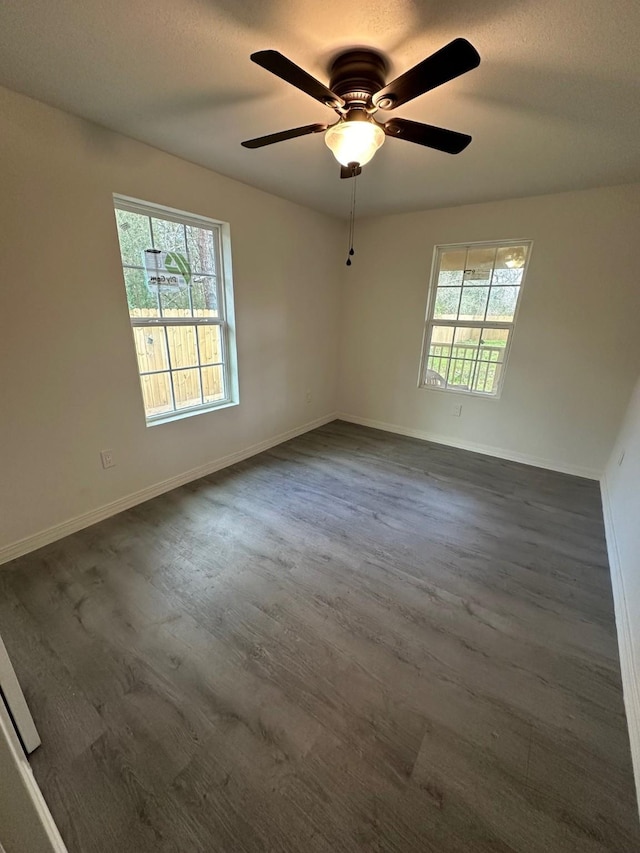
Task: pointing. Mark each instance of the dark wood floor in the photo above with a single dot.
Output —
(353, 642)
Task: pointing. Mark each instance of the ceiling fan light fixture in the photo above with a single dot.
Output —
(354, 141)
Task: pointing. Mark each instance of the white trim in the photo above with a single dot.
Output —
(628, 664)
(29, 821)
(16, 703)
(151, 208)
(485, 449)
(181, 414)
(72, 525)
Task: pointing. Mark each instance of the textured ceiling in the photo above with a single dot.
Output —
(553, 106)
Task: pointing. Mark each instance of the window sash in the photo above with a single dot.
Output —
(193, 271)
(220, 295)
(185, 220)
(477, 360)
(200, 407)
(159, 212)
(226, 377)
(191, 367)
(177, 321)
(472, 324)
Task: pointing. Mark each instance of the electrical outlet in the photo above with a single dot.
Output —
(307, 396)
(456, 410)
(106, 456)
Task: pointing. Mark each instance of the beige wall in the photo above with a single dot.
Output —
(68, 377)
(621, 499)
(576, 346)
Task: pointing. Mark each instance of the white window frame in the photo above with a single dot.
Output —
(225, 305)
(431, 323)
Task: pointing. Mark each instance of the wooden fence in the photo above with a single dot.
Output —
(194, 355)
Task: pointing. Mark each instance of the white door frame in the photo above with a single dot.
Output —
(25, 819)
(16, 703)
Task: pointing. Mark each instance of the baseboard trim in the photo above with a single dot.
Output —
(73, 525)
(628, 664)
(486, 450)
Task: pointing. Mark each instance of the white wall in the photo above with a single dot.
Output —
(68, 376)
(621, 501)
(575, 349)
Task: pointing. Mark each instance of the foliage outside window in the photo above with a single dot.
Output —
(178, 286)
(471, 312)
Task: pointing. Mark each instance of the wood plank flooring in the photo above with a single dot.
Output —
(353, 642)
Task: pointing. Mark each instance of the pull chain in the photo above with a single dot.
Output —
(352, 218)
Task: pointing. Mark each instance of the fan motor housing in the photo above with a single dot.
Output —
(356, 75)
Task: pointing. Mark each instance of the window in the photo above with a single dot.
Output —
(177, 277)
(471, 311)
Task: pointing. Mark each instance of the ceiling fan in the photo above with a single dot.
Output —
(357, 90)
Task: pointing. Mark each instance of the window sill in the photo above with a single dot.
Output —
(477, 395)
(189, 413)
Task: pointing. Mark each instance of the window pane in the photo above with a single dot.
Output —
(493, 344)
(452, 266)
(436, 373)
(186, 388)
(175, 303)
(156, 394)
(510, 261)
(201, 247)
(142, 303)
(447, 300)
(442, 334)
(151, 348)
(487, 378)
(473, 303)
(204, 292)
(213, 384)
(484, 381)
(465, 341)
(439, 352)
(168, 236)
(134, 236)
(507, 277)
(460, 373)
(183, 349)
(210, 343)
(490, 360)
(479, 266)
(502, 303)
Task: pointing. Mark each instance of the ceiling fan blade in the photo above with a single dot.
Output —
(350, 171)
(454, 59)
(291, 73)
(439, 138)
(284, 134)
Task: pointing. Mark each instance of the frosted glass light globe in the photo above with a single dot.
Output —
(354, 141)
